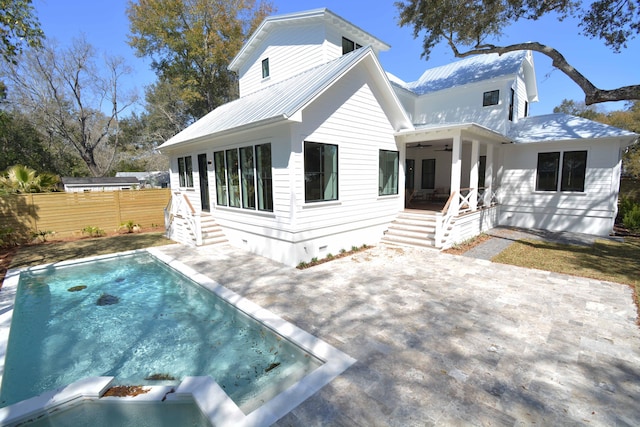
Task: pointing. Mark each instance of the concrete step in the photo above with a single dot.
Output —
(403, 216)
(402, 227)
(213, 240)
(408, 241)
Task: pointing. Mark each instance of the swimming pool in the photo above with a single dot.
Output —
(135, 329)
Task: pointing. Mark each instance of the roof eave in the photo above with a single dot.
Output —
(166, 148)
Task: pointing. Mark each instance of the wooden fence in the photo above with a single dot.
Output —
(67, 214)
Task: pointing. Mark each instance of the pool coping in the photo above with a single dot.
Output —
(214, 403)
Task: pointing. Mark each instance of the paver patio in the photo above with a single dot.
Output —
(449, 340)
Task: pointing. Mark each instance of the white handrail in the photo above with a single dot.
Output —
(185, 210)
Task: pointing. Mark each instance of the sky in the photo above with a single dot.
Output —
(105, 25)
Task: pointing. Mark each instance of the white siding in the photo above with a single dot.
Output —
(592, 211)
(360, 129)
(463, 104)
(290, 50)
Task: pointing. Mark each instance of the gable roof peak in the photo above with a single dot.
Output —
(300, 18)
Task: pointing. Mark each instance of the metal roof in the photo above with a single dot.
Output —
(469, 70)
(277, 102)
(560, 127)
(72, 181)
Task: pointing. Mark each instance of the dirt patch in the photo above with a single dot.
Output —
(71, 248)
(330, 257)
(463, 247)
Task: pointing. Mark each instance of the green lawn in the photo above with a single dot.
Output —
(605, 260)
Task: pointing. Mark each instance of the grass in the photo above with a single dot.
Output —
(44, 253)
(605, 260)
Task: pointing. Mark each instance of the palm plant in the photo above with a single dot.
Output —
(22, 179)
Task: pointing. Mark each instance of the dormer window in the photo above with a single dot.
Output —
(265, 68)
(491, 98)
(349, 45)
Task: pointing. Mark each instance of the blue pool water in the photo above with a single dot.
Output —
(156, 327)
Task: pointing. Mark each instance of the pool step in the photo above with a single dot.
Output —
(211, 232)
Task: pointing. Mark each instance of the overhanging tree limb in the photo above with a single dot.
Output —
(469, 24)
(593, 94)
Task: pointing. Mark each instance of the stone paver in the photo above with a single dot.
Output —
(449, 340)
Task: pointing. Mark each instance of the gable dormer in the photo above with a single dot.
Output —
(286, 45)
(490, 90)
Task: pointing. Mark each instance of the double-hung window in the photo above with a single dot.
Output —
(566, 175)
(388, 173)
(185, 171)
(243, 177)
(320, 172)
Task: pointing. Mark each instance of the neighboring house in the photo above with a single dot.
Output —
(80, 185)
(154, 179)
(324, 150)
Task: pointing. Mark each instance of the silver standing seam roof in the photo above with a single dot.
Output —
(561, 127)
(277, 102)
(470, 70)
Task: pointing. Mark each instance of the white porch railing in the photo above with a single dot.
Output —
(484, 197)
(181, 207)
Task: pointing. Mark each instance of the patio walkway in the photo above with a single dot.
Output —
(449, 340)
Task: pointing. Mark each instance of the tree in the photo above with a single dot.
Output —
(628, 119)
(191, 44)
(578, 108)
(20, 143)
(139, 142)
(22, 179)
(469, 24)
(18, 26)
(72, 100)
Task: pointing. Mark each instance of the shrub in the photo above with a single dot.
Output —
(8, 237)
(42, 234)
(93, 231)
(130, 226)
(631, 218)
(625, 204)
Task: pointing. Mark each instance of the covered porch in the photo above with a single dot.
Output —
(450, 167)
(450, 173)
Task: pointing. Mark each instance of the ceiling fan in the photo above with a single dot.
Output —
(418, 145)
(446, 148)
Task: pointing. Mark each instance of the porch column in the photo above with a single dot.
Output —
(488, 176)
(473, 175)
(456, 170)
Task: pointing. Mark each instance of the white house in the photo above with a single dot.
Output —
(84, 185)
(324, 150)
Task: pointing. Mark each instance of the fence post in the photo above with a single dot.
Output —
(118, 213)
